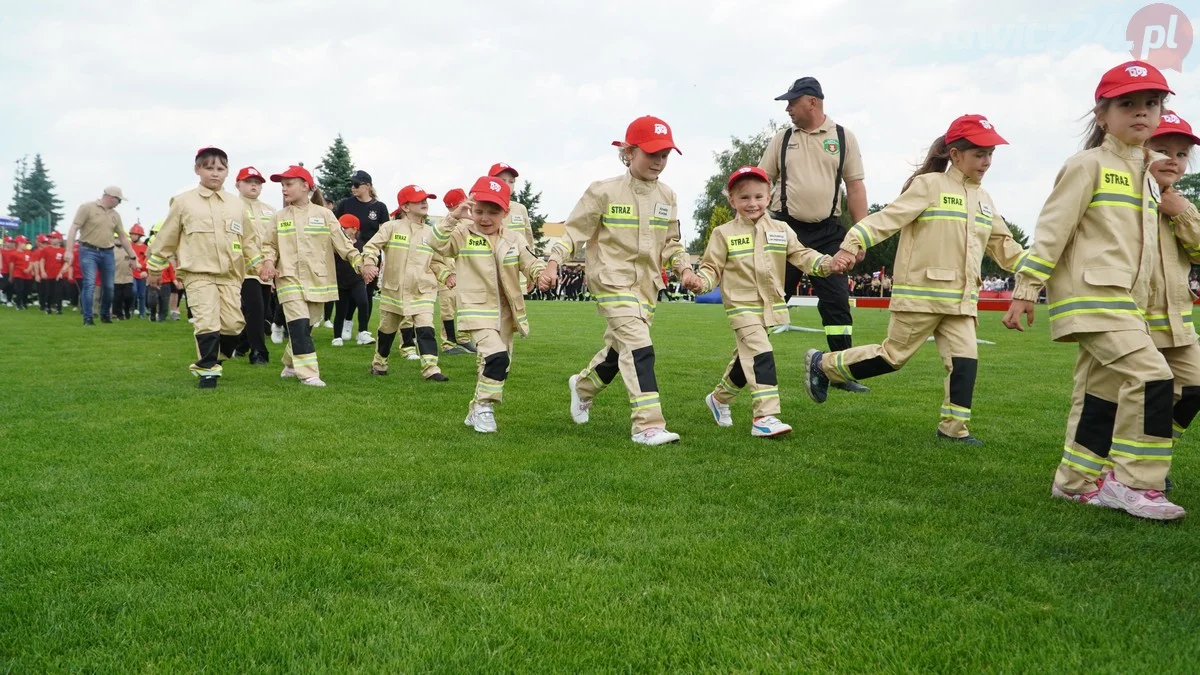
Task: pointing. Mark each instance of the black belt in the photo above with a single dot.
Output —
(94, 248)
(787, 218)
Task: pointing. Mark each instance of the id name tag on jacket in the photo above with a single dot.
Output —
(776, 237)
(986, 210)
(316, 221)
(662, 211)
(235, 226)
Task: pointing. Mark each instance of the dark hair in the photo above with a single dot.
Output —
(212, 153)
(938, 157)
(318, 197)
(1095, 133)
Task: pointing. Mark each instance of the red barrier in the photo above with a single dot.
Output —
(985, 304)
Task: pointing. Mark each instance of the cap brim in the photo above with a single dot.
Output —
(1160, 132)
(986, 139)
(491, 198)
(789, 96)
(658, 146)
(1135, 86)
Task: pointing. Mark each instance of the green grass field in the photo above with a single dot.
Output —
(149, 526)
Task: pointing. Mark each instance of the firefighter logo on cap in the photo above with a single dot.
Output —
(494, 186)
(985, 124)
(745, 169)
(1171, 118)
(831, 146)
(1137, 71)
(660, 129)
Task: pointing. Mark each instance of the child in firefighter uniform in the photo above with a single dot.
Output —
(491, 302)
(1095, 248)
(206, 232)
(298, 250)
(947, 222)
(746, 257)
(1169, 313)
(631, 229)
(409, 273)
(454, 341)
(517, 219)
(256, 295)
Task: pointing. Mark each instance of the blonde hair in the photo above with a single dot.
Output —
(372, 189)
(625, 153)
(1094, 132)
(938, 158)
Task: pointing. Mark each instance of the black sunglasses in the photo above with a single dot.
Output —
(355, 185)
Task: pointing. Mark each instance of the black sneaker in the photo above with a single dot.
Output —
(469, 347)
(89, 322)
(374, 371)
(815, 381)
(438, 377)
(106, 319)
(456, 350)
(966, 440)
(259, 359)
(208, 381)
(853, 387)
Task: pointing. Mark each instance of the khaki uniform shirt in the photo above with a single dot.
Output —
(410, 271)
(207, 233)
(1169, 314)
(488, 276)
(301, 243)
(631, 230)
(947, 222)
(517, 220)
(812, 163)
(1096, 242)
(97, 225)
(259, 215)
(747, 260)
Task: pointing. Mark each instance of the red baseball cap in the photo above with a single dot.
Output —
(651, 134)
(1129, 77)
(249, 172)
(9, 240)
(746, 172)
(294, 172)
(499, 168)
(349, 221)
(488, 189)
(974, 128)
(212, 149)
(55, 234)
(21, 239)
(454, 197)
(1172, 123)
(412, 193)
(43, 239)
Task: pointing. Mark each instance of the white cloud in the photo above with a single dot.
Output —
(434, 93)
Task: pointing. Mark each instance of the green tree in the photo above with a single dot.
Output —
(537, 219)
(990, 268)
(335, 170)
(742, 152)
(721, 214)
(1189, 186)
(34, 199)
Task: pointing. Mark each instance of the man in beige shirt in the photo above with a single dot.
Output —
(810, 161)
(99, 227)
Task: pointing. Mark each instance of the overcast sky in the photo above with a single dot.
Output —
(434, 92)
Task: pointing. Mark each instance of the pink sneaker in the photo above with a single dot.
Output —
(288, 371)
(1150, 504)
(1090, 498)
(313, 382)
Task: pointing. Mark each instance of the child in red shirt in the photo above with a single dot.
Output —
(7, 250)
(139, 269)
(53, 270)
(23, 263)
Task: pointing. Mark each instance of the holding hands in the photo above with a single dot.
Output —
(548, 278)
(266, 271)
(692, 281)
(369, 272)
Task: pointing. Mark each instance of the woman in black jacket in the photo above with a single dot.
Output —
(364, 204)
(352, 293)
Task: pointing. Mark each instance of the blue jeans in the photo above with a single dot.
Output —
(89, 260)
(139, 295)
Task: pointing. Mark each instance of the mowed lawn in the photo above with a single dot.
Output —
(149, 526)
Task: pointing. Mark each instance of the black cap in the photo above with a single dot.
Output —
(805, 86)
(360, 177)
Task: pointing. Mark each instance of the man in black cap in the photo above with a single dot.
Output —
(363, 203)
(809, 162)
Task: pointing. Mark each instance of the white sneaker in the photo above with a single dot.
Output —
(580, 410)
(276, 333)
(720, 411)
(655, 436)
(347, 330)
(337, 342)
(192, 320)
(1151, 504)
(767, 426)
(413, 356)
(328, 324)
(484, 419)
(288, 371)
(365, 338)
(313, 382)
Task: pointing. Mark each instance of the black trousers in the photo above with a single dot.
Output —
(123, 300)
(349, 299)
(20, 291)
(833, 293)
(158, 302)
(255, 297)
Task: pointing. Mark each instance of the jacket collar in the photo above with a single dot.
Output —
(1121, 148)
(957, 176)
(639, 186)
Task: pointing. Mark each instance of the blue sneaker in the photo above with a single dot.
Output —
(815, 381)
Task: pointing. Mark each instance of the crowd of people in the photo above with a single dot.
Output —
(1112, 251)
